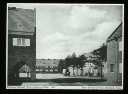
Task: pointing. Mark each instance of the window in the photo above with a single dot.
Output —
(111, 68)
(120, 46)
(46, 66)
(51, 66)
(21, 42)
(43, 66)
(120, 67)
(105, 70)
(41, 69)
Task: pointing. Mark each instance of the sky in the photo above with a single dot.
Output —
(67, 28)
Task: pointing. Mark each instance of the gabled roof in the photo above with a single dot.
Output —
(47, 62)
(21, 19)
(117, 31)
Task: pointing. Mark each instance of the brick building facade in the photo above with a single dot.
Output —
(21, 41)
(114, 55)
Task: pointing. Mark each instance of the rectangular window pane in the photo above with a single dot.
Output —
(19, 42)
(111, 67)
(14, 41)
(120, 46)
(105, 70)
(23, 42)
(120, 67)
(27, 42)
(46, 66)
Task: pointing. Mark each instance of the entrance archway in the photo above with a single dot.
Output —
(25, 71)
(16, 69)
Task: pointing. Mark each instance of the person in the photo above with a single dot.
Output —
(67, 73)
(27, 73)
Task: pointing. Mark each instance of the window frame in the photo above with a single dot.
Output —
(21, 42)
(120, 67)
(120, 46)
(111, 66)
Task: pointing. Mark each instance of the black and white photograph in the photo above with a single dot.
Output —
(64, 46)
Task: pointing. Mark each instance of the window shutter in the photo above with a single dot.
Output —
(27, 42)
(14, 41)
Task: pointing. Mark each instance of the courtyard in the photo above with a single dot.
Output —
(61, 80)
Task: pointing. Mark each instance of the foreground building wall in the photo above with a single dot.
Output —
(21, 41)
(114, 55)
(27, 54)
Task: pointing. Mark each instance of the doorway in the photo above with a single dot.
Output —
(21, 70)
(25, 71)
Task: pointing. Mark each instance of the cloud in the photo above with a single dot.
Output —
(86, 19)
(103, 30)
(81, 31)
(55, 38)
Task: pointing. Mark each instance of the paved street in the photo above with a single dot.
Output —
(24, 74)
(60, 80)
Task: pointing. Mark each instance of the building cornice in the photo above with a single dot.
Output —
(20, 32)
(115, 38)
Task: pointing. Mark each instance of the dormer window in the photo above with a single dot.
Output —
(21, 42)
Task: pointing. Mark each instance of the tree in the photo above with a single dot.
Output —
(73, 61)
(101, 54)
(68, 61)
(81, 59)
(60, 66)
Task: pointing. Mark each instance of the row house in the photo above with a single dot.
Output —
(47, 65)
